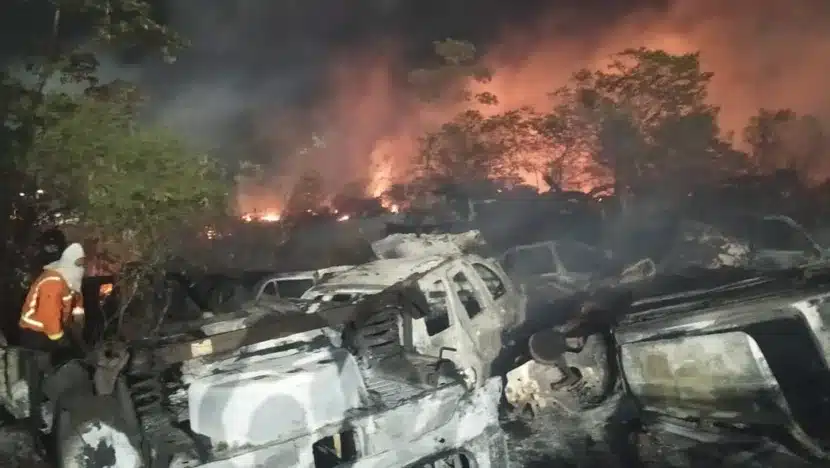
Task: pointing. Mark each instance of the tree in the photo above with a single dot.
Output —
(307, 196)
(351, 199)
(782, 139)
(568, 142)
(652, 120)
(447, 82)
(138, 192)
(472, 147)
(133, 186)
(74, 146)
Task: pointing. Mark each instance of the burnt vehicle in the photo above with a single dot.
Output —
(469, 299)
(294, 284)
(223, 293)
(555, 268)
(724, 357)
(318, 383)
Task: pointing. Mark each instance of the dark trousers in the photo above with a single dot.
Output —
(38, 341)
(40, 354)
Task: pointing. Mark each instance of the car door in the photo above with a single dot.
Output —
(476, 312)
(442, 332)
(507, 303)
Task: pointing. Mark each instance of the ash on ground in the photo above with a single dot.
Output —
(602, 438)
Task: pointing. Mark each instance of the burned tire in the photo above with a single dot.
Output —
(594, 365)
(92, 433)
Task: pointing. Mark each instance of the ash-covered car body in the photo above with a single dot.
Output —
(293, 285)
(781, 242)
(768, 242)
(726, 356)
(471, 303)
(555, 268)
(281, 383)
(745, 357)
(299, 401)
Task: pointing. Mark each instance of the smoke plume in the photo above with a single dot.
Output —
(764, 53)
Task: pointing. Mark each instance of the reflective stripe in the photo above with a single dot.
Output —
(56, 336)
(27, 317)
(67, 298)
(78, 311)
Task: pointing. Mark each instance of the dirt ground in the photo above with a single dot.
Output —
(552, 440)
(17, 449)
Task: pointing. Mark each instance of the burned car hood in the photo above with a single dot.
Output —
(674, 294)
(752, 351)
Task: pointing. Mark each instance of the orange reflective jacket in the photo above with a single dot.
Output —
(50, 304)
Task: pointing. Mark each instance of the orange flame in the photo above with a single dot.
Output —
(372, 123)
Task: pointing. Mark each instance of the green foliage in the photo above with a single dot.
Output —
(50, 58)
(135, 187)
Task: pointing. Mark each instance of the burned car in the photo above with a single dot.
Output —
(470, 301)
(723, 357)
(555, 268)
(292, 285)
(322, 383)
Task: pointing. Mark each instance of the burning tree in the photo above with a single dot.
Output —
(640, 121)
(472, 146)
(651, 119)
(307, 196)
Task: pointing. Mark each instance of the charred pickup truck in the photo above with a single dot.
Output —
(718, 357)
(323, 383)
(470, 301)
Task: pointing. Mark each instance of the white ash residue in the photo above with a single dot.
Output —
(411, 245)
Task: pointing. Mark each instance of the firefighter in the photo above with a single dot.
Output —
(54, 302)
(51, 323)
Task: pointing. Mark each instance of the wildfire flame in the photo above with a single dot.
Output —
(372, 123)
(266, 217)
(271, 217)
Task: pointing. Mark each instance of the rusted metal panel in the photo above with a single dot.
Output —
(720, 376)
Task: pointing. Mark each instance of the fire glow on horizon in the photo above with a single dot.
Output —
(266, 217)
(372, 124)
